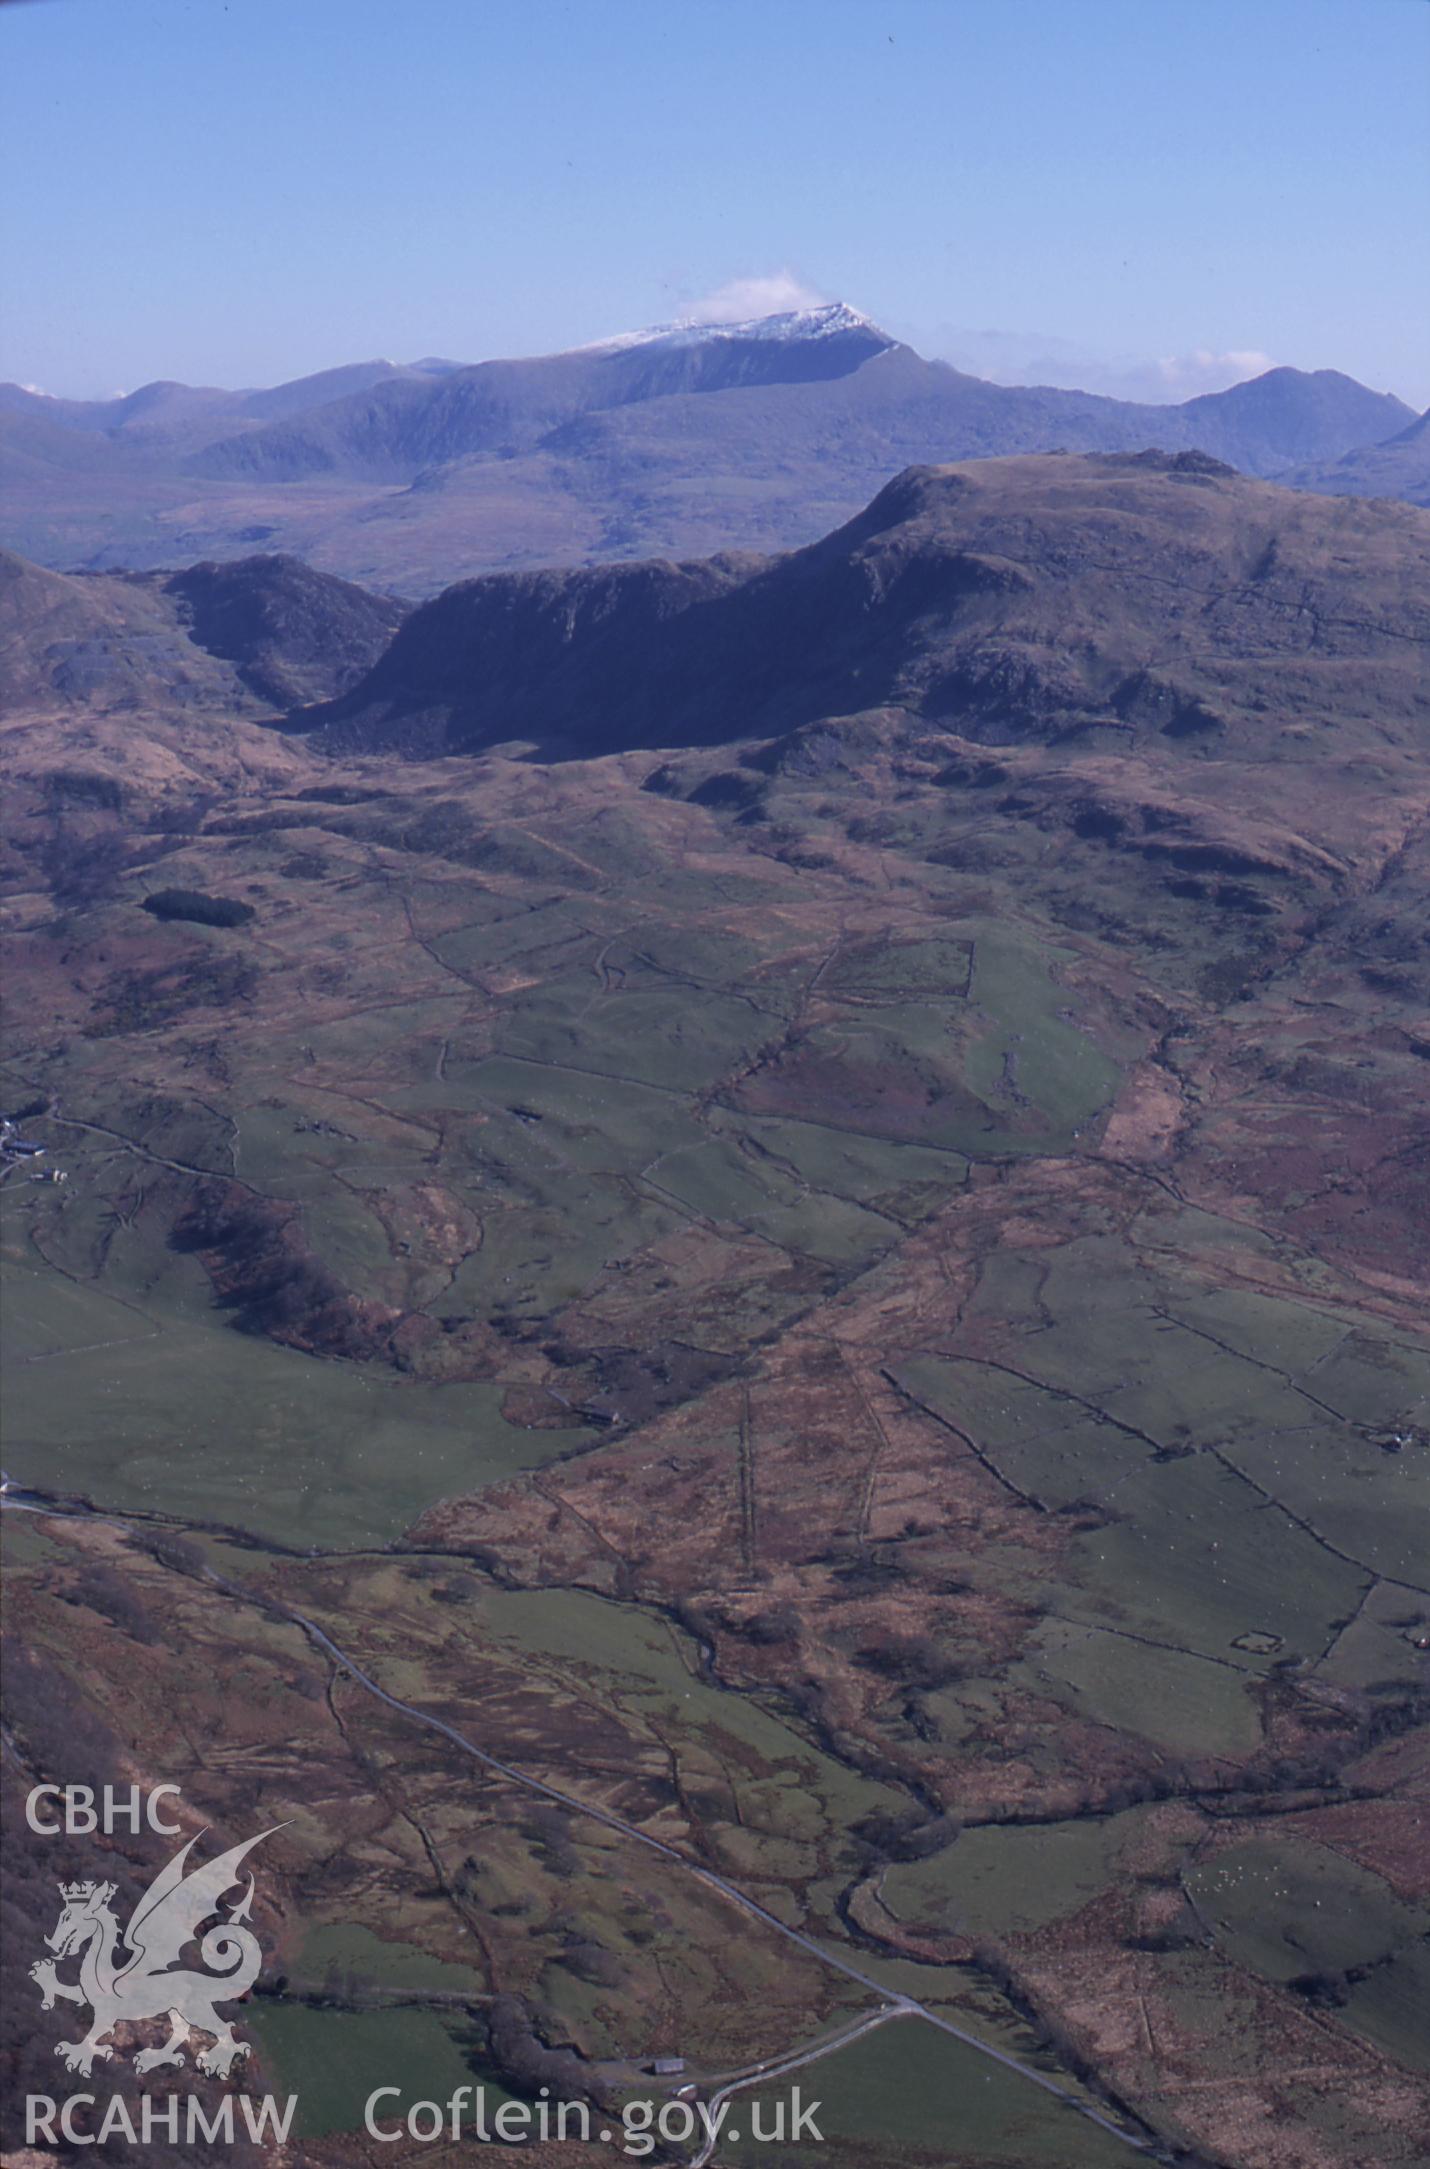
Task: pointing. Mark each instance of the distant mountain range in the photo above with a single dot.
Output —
(678, 441)
(1400, 467)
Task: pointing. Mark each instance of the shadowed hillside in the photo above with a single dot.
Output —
(1102, 598)
(295, 635)
(264, 631)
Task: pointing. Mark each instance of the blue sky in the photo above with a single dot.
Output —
(1145, 196)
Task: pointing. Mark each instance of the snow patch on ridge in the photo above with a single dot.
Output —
(826, 321)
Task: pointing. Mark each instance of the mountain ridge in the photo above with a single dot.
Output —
(680, 440)
(1008, 600)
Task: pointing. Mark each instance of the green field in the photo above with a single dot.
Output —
(1296, 1912)
(994, 1881)
(191, 1419)
(910, 2095)
(335, 2060)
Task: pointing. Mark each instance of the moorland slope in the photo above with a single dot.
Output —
(842, 1287)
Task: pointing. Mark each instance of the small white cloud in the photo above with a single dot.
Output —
(37, 391)
(1204, 371)
(739, 301)
(1031, 357)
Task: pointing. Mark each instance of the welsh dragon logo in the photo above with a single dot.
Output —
(150, 1983)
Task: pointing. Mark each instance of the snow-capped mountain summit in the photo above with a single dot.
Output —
(412, 420)
(829, 320)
